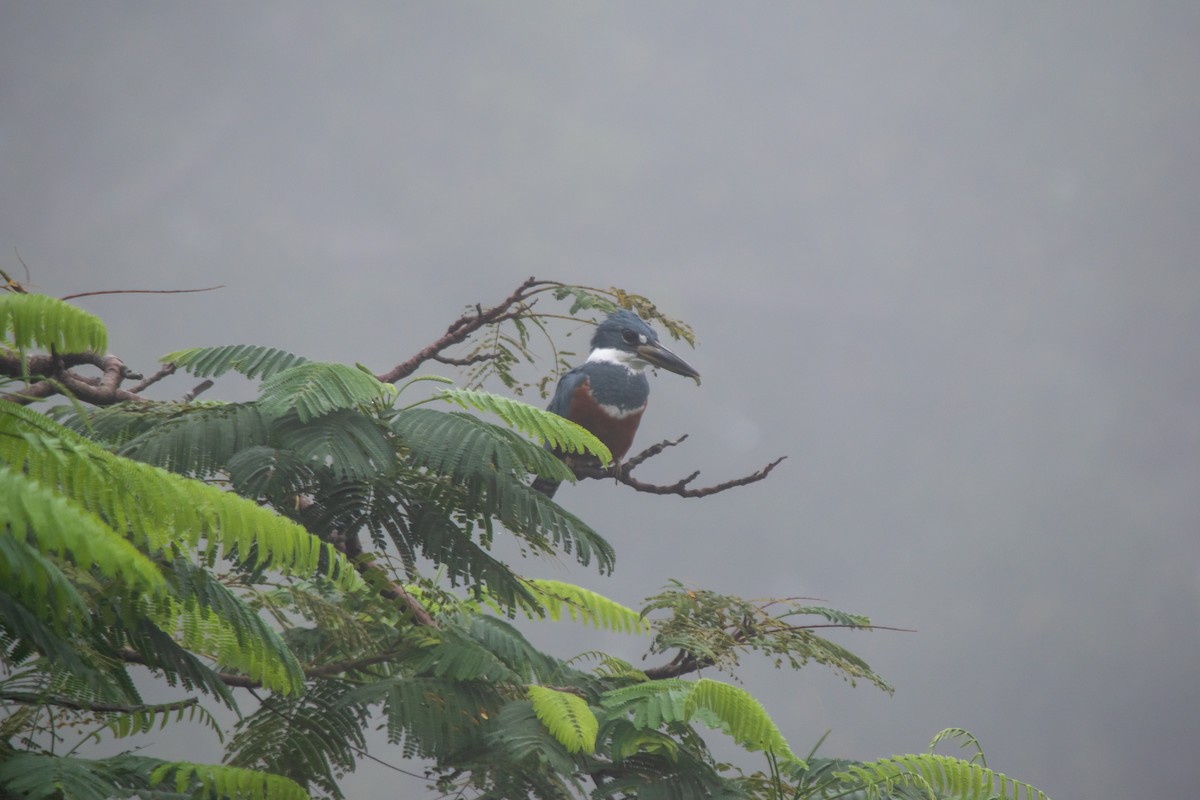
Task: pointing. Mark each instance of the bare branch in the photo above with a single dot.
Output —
(141, 291)
(465, 362)
(682, 664)
(394, 591)
(15, 286)
(55, 376)
(621, 473)
(166, 370)
(510, 308)
(202, 386)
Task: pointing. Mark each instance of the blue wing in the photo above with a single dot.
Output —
(561, 402)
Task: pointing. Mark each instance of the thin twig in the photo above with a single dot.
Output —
(167, 369)
(140, 291)
(202, 386)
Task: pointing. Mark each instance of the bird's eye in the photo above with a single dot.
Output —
(630, 337)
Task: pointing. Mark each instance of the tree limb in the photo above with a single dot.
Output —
(141, 291)
(621, 473)
(52, 375)
(510, 308)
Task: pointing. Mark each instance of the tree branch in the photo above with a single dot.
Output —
(165, 371)
(54, 375)
(621, 473)
(510, 308)
(141, 291)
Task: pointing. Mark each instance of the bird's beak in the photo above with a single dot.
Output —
(659, 356)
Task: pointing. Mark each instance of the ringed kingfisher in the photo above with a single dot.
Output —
(607, 393)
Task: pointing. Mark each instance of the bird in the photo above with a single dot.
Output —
(607, 394)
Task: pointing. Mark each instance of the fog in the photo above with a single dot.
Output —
(943, 256)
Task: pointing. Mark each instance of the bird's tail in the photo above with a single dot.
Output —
(546, 486)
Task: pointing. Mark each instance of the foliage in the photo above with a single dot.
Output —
(328, 547)
(714, 629)
(37, 321)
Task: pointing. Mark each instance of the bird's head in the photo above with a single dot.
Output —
(626, 338)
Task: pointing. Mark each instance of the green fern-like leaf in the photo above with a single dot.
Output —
(437, 536)
(39, 776)
(146, 718)
(24, 632)
(196, 440)
(463, 447)
(512, 648)
(352, 444)
(432, 717)
(487, 464)
(316, 388)
(587, 606)
(458, 657)
(715, 628)
(231, 643)
(253, 361)
(557, 432)
(34, 516)
(942, 776)
(311, 738)
(269, 472)
(737, 712)
(966, 739)
(627, 740)
(528, 761)
(43, 322)
(567, 717)
(652, 703)
(221, 782)
(162, 510)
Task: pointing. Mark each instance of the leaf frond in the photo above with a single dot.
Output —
(253, 361)
(567, 717)
(221, 782)
(586, 606)
(738, 713)
(311, 738)
(487, 466)
(351, 444)
(315, 388)
(43, 322)
(163, 511)
(942, 776)
(197, 440)
(557, 432)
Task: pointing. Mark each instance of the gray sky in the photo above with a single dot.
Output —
(943, 256)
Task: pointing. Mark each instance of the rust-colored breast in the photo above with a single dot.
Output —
(616, 431)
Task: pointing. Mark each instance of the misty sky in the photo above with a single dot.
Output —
(943, 256)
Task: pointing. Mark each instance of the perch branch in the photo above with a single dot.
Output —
(510, 308)
(53, 375)
(681, 487)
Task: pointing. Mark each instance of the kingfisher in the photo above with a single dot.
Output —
(607, 394)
